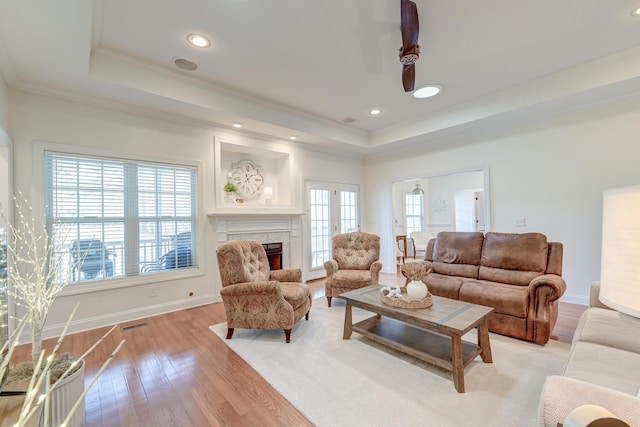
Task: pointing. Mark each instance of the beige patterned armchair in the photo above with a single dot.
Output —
(255, 297)
(354, 265)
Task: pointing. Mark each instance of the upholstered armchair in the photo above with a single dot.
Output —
(354, 265)
(255, 297)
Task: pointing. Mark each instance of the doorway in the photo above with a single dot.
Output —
(332, 208)
(469, 210)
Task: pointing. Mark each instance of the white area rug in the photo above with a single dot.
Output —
(356, 382)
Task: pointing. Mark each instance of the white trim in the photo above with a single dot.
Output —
(86, 287)
(123, 316)
(575, 299)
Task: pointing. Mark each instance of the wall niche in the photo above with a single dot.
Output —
(240, 162)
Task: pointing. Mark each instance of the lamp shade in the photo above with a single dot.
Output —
(268, 191)
(418, 191)
(620, 268)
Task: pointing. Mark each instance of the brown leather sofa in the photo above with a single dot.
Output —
(519, 275)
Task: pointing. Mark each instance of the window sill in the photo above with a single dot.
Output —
(124, 282)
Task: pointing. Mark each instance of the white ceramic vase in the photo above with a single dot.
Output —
(417, 290)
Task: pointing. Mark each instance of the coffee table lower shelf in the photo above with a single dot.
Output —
(429, 346)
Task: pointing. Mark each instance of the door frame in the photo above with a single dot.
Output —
(309, 273)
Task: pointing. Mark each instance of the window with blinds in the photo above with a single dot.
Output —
(117, 218)
(414, 212)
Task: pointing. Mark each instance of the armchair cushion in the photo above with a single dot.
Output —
(356, 251)
(352, 278)
(296, 294)
(242, 261)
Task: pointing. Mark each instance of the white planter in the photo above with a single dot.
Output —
(64, 395)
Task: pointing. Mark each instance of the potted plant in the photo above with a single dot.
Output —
(35, 277)
(229, 190)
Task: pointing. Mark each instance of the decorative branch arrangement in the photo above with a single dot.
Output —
(35, 277)
(34, 270)
(415, 270)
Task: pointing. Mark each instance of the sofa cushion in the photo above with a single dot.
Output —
(513, 258)
(443, 286)
(458, 253)
(606, 366)
(506, 299)
(610, 328)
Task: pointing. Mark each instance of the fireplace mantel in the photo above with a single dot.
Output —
(246, 214)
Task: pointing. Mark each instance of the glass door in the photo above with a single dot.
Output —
(332, 209)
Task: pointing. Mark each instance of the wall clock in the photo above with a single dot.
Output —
(439, 205)
(247, 177)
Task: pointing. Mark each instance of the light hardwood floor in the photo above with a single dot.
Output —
(173, 371)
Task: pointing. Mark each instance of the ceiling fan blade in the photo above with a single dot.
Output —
(409, 24)
(408, 77)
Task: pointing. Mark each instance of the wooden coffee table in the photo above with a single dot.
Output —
(432, 334)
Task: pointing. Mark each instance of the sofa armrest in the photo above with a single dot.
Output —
(594, 296)
(561, 395)
(331, 267)
(286, 275)
(549, 286)
(592, 415)
(375, 272)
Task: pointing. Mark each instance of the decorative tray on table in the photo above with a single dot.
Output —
(397, 297)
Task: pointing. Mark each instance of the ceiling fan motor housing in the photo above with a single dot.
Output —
(411, 56)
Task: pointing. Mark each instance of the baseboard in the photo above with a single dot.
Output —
(575, 299)
(122, 317)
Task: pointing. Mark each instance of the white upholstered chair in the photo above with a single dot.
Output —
(418, 242)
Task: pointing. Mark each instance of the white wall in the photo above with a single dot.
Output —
(4, 111)
(551, 172)
(5, 144)
(36, 118)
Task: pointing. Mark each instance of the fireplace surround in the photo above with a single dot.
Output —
(274, 254)
(266, 228)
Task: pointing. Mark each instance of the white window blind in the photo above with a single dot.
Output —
(116, 218)
(414, 212)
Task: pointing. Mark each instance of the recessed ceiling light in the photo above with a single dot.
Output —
(375, 112)
(293, 138)
(237, 125)
(427, 91)
(635, 12)
(198, 40)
